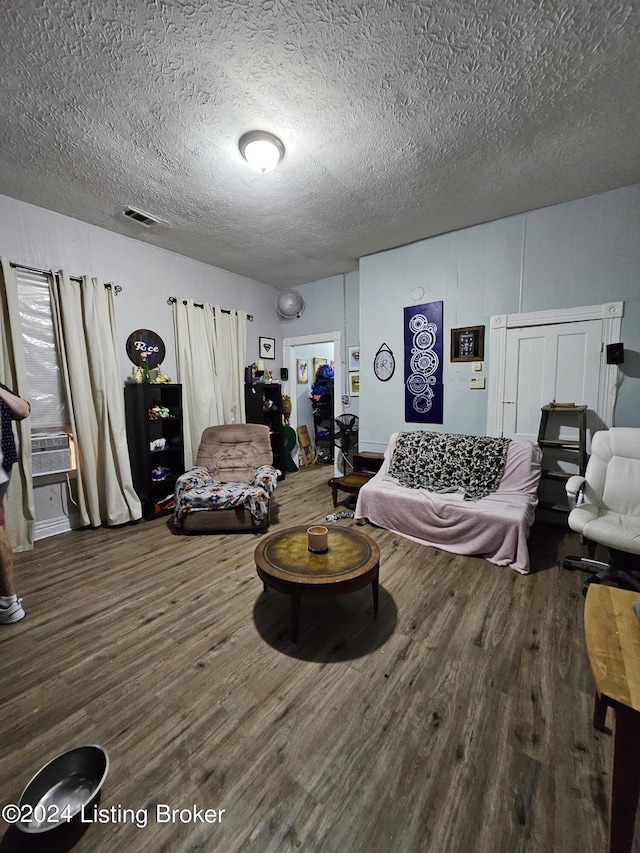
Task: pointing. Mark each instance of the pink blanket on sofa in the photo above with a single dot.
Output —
(495, 527)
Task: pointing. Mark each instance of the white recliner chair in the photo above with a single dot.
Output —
(607, 507)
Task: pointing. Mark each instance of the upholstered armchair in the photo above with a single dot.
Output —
(231, 484)
(607, 508)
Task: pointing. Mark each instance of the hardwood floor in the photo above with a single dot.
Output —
(458, 720)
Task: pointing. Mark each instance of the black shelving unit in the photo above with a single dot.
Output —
(558, 453)
(144, 429)
(321, 395)
(263, 405)
(323, 427)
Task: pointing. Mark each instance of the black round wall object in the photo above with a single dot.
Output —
(145, 341)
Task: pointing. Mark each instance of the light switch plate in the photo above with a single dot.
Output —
(476, 366)
(476, 382)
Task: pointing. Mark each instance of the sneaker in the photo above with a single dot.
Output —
(13, 613)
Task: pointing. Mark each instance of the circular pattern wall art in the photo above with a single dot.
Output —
(424, 363)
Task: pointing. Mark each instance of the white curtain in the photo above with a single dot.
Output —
(211, 347)
(84, 320)
(231, 333)
(19, 506)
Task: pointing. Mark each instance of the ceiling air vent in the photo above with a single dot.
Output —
(140, 216)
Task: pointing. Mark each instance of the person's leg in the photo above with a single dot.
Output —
(11, 609)
(7, 587)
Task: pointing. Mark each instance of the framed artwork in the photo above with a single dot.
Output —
(354, 358)
(354, 383)
(318, 362)
(302, 371)
(267, 347)
(423, 358)
(467, 344)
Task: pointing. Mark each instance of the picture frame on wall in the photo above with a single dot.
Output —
(267, 348)
(467, 344)
(318, 362)
(302, 371)
(353, 357)
(354, 383)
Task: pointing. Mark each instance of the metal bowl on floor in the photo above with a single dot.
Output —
(63, 788)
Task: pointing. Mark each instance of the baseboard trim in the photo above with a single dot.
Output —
(51, 527)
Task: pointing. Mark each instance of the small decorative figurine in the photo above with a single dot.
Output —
(157, 412)
(161, 377)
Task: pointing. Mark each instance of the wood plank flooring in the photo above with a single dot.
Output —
(458, 720)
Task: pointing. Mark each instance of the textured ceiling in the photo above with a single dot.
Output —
(401, 120)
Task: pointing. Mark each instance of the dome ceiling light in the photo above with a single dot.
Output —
(262, 151)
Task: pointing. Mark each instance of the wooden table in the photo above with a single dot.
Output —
(284, 563)
(368, 461)
(613, 643)
(350, 483)
(365, 465)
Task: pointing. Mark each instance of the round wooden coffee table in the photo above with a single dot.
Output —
(284, 563)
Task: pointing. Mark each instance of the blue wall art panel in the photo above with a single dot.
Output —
(423, 389)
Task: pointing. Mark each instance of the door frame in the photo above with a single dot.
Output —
(611, 315)
(289, 361)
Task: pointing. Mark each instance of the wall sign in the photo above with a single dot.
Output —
(423, 395)
(145, 341)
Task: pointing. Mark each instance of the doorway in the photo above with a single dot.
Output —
(330, 345)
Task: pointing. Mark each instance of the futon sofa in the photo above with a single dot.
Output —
(494, 525)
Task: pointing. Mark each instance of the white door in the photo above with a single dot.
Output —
(553, 355)
(560, 362)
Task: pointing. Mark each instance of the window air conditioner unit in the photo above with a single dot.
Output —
(51, 454)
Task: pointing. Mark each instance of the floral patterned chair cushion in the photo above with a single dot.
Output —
(197, 490)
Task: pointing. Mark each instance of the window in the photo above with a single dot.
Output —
(45, 389)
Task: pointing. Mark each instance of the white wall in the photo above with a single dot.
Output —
(580, 253)
(148, 276)
(331, 304)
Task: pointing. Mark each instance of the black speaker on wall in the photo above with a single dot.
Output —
(615, 353)
(284, 373)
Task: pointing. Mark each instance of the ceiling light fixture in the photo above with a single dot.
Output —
(262, 151)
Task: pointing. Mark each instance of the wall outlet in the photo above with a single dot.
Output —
(476, 382)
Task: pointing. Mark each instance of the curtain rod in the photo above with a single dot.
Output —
(116, 287)
(172, 299)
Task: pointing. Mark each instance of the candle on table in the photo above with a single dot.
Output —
(318, 537)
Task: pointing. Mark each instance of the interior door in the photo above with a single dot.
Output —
(559, 362)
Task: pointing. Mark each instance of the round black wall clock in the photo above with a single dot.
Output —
(384, 363)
